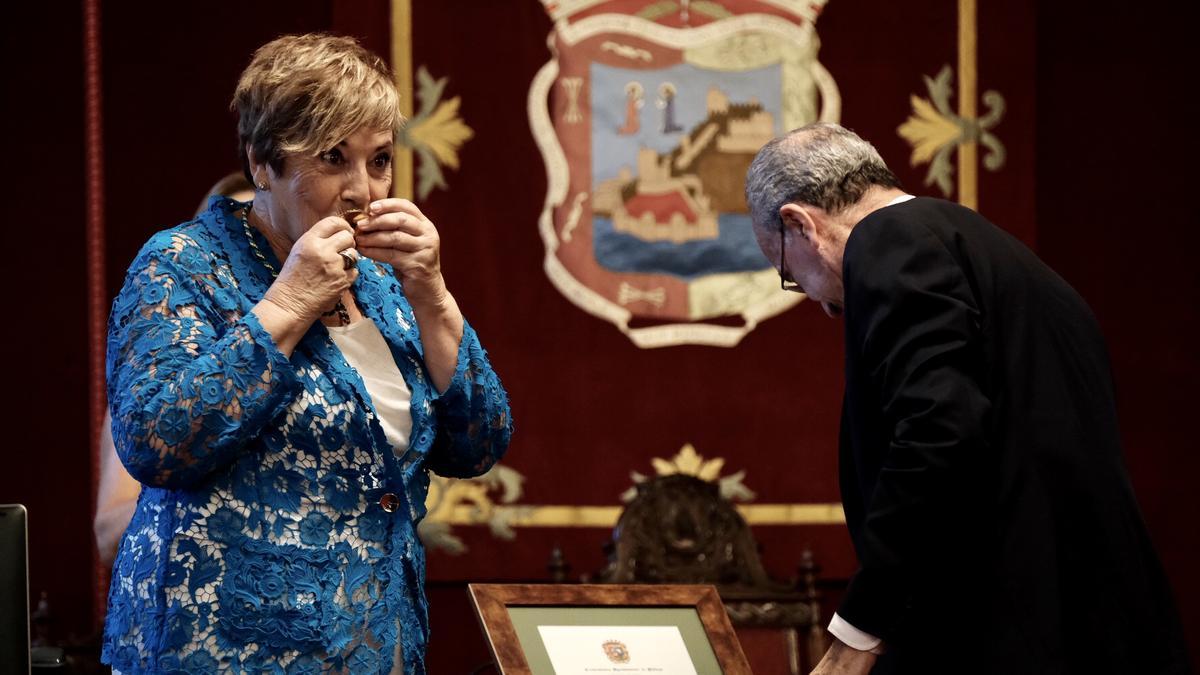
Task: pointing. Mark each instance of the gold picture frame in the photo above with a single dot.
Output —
(505, 612)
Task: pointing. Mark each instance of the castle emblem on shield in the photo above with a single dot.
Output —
(616, 651)
(647, 117)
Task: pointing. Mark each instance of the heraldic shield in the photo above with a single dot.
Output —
(647, 117)
(616, 651)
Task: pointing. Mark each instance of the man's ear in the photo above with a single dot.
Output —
(797, 218)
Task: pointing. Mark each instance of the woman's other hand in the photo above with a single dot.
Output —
(397, 233)
(314, 276)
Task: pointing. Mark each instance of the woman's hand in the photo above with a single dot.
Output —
(397, 233)
(314, 276)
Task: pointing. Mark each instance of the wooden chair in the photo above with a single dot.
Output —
(678, 529)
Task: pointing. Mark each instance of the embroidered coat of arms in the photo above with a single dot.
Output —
(647, 117)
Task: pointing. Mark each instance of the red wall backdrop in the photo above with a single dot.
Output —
(1116, 170)
(1098, 138)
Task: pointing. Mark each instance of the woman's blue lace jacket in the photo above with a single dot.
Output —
(259, 543)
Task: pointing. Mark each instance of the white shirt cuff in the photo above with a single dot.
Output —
(853, 637)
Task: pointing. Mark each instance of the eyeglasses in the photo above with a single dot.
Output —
(785, 281)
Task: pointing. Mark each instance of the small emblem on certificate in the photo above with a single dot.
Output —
(616, 651)
(584, 650)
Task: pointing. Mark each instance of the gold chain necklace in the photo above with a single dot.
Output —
(339, 309)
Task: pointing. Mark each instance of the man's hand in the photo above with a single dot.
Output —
(843, 660)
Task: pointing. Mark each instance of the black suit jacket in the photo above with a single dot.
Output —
(981, 467)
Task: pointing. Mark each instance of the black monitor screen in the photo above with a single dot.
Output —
(14, 591)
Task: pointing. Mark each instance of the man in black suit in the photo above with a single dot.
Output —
(981, 470)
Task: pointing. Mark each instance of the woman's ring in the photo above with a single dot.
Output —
(349, 258)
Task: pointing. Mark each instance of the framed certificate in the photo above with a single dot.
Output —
(582, 629)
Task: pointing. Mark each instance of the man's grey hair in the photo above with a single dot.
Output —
(824, 165)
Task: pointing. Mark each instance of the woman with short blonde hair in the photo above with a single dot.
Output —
(283, 373)
(302, 94)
